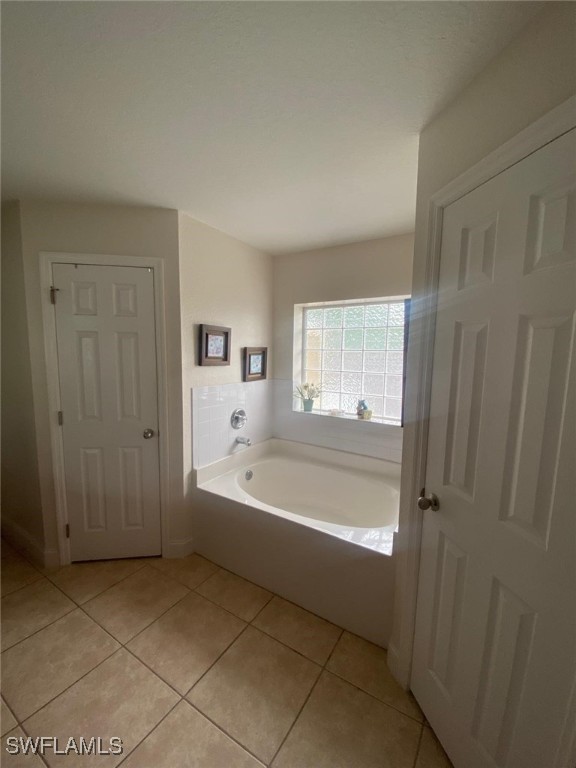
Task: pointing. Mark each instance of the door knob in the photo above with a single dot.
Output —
(147, 434)
(428, 502)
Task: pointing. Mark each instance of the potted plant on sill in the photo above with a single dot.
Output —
(308, 393)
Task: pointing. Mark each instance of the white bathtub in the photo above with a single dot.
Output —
(312, 524)
(353, 504)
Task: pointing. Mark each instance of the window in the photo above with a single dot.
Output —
(355, 351)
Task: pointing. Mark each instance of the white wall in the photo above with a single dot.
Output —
(85, 229)
(222, 282)
(534, 74)
(22, 506)
(370, 269)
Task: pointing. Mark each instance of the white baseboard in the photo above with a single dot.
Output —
(179, 548)
(397, 666)
(29, 546)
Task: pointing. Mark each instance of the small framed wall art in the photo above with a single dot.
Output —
(254, 363)
(215, 345)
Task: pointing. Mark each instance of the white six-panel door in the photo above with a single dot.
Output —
(495, 644)
(108, 389)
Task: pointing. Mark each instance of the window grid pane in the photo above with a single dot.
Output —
(356, 352)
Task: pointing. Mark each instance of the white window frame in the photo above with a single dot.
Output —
(299, 347)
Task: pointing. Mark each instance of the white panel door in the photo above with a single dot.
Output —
(495, 644)
(108, 387)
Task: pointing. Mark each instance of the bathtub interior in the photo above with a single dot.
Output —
(341, 499)
(320, 492)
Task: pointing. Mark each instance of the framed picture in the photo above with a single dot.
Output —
(215, 345)
(254, 368)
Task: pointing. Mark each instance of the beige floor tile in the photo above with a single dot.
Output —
(190, 571)
(431, 754)
(237, 595)
(255, 691)
(16, 573)
(306, 633)
(19, 760)
(341, 727)
(119, 698)
(183, 643)
(42, 666)
(126, 608)
(185, 739)
(83, 581)
(364, 664)
(7, 719)
(31, 609)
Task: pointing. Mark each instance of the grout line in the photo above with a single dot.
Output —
(210, 600)
(37, 631)
(203, 675)
(21, 722)
(26, 733)
(418, 746)
(218, 605)
(153, 621)
(127, 755)
(272, 596)
(28, 584)
(149, 668)
(221, 729)
(322, 669)
(325, 665)
(124, 578)
(289, 647)
(372, 696)
(320, 618)
(13, 715)
(297, 716)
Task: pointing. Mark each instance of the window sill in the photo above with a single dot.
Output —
(380, 421)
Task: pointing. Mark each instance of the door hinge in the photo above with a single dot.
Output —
(67, 530)
(60, 418)
(53, 292)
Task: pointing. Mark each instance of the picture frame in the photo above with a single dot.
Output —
(255, 363)
(214, 345)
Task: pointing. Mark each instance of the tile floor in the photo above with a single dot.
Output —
(194, 667)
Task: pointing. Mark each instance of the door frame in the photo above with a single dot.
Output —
(407, 545)
(47, 260)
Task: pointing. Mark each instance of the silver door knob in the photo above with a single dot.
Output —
(429, 502)
(147, 434)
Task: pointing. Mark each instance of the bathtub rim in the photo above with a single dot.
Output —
(291, 449)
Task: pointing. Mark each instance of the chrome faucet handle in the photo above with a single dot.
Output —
(238, 418)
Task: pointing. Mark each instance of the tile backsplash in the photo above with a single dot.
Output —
(213, 437)
(268, 405)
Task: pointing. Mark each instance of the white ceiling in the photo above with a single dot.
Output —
(286, 125)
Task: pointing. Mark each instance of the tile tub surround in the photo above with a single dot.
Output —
(200, 687)
(268, 405)
(213, 437)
